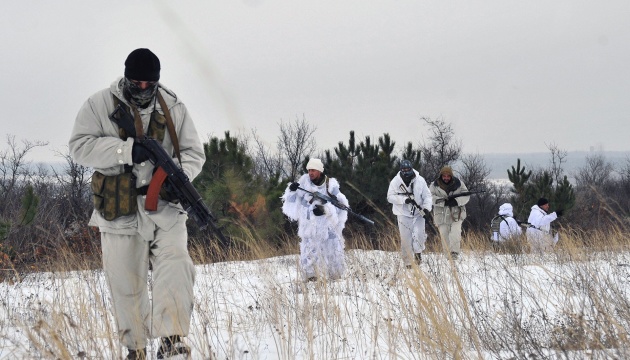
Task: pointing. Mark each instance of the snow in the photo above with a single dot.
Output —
(380, 310)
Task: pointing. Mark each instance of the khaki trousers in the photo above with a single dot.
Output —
(451, 236)
(126, 261)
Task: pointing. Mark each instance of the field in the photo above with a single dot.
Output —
(572, 303)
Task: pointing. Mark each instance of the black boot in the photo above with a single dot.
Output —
(171, 346)
(418, 257)
(138, 354)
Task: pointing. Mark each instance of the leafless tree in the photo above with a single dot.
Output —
(558, 158)
(14, 166)
(295, 143)
(481, 207)
(597, 172)
(75, 193)
(266, 163)
(442, 148)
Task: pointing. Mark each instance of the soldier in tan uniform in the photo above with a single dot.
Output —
(132, 238)
(449, 212)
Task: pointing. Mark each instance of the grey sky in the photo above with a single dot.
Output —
(511, 76)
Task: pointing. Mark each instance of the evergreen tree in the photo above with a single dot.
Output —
(246, 206)
(411, 154)
(528, 188)
(519, 178)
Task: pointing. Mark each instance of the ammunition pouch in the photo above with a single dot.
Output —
(114, 196)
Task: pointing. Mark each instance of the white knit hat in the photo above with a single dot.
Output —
(315, 164)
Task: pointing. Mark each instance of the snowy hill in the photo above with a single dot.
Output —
(484, 306)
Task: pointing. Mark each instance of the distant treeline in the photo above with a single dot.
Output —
(45, 208)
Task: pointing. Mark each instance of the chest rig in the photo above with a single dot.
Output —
(115, 196)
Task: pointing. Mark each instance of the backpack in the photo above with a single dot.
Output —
(495, 226)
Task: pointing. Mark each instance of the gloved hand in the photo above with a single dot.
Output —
(139, 153)
(409, 201)
(294, 186)
(318, 210)
(167, 193)
(559, 212)
(427, 215)
(450, 202)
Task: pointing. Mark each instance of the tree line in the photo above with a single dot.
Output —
(43, 208)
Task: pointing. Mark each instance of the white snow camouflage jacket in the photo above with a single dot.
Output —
(297, 206)
(421, 194)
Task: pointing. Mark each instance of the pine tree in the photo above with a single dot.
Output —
(519, 178)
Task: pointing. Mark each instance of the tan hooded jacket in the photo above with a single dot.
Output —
(95, 143)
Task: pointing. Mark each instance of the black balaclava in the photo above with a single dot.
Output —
(137, 96)
(141, 65)
(408, 175)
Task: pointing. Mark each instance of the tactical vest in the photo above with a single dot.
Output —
(115, 196)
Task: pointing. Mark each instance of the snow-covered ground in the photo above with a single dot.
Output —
(484, 305)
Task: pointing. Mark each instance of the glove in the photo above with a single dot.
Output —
(427, 215)
(318, 210)
(139, 153)
(559, 212)
(294, 186)
(450, 202)
(167, 193)
(409, 201)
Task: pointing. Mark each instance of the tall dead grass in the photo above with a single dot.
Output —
(507, 303)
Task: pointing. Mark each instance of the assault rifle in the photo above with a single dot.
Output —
(409, 195)
(177, 183)
(428, 217)
(455, 196)
(337, 204)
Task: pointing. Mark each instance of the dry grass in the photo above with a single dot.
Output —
(572, 303)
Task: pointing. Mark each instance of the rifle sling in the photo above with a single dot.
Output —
(170, 126)
(137, 122)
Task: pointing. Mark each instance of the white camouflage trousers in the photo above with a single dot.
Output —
(412, 237)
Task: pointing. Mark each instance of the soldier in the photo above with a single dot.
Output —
(320, 224)
(539, 234)
(133, 239)
(449, 210)
(411, 203)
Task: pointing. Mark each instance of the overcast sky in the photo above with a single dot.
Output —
(510, 76)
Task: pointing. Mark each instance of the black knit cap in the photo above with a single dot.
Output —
(542, 201)
(142, 65)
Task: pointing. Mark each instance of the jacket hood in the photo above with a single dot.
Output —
(506, 209)
(536, 207)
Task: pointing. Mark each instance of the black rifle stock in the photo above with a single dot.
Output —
(337, 204)
(455, 196)
(168, 171)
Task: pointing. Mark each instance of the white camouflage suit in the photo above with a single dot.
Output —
(322, 244)
(410, 219)
(539, 235)
(131, 242)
